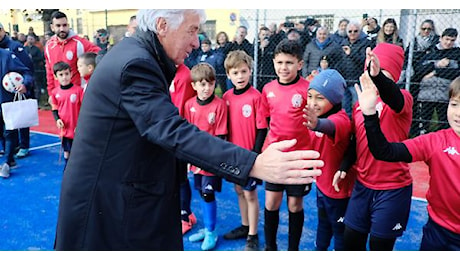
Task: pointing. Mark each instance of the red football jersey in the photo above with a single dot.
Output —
(332, 151)
(375, 174)
(284, 104)
(68, 103)
(211, 118)
(181, 88)
(441, 152)
(245, 116)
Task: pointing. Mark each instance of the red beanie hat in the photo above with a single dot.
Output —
(391, 58)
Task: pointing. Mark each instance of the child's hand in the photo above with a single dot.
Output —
(311, 119)
(60, 124)
(367, 94)
(374, 62)
(21, 88)
(338, 177)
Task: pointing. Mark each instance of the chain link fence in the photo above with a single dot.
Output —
(418, 31)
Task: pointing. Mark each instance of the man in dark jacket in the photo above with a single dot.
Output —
(19, 50)
(9, 62)
(120, 189)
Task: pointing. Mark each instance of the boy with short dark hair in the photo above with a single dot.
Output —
(86, 65)
(209, 113)
(284, 100)
(247, 128)
(67, 98)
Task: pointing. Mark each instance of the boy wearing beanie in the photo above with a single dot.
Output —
(380, 201)
(329, 129)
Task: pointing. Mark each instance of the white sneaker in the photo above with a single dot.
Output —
(5, 171)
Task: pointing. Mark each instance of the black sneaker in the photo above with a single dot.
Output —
(269, 248)
(237, 233)
(252, 244)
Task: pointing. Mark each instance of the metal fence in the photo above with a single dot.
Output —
(429, 92)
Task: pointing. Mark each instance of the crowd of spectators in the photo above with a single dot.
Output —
(344, 49)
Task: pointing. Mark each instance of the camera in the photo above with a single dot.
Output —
(288, 24)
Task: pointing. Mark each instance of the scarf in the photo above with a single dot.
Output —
(423, 43)
(322, 45)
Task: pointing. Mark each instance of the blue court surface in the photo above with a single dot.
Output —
(30, 198)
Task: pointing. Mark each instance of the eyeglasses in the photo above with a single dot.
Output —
(354, 31)
(426, 29)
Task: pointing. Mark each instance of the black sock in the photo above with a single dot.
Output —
(253, 237)
(295, 229)
(272, 219)
(354, 240)
(381, 244)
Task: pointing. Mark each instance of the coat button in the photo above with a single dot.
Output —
(223, 165)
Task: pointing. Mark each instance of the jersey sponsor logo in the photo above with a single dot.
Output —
(247, 110)
(73, 98)
(340, 220)
(397, 226)
(69, 55)
(271, 94)
(192, 109)
(57, 96)
(296, 100)
(451, 151)
(212, 118)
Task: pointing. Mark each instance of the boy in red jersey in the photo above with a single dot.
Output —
(440, 151)
(209, 113)
(247, 128)
(330, 131)
(381, 197)
(284, 100)
(181, 90)
(67, 98)
(86, 64)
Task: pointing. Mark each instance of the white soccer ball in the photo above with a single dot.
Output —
(11, 80)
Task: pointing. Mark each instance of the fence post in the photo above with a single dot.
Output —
(412, 31)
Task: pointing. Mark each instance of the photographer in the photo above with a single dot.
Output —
(265, 69)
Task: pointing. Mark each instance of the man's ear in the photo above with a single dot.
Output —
(162, 26)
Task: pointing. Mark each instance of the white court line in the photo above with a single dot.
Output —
(43, 133)
(44, 146)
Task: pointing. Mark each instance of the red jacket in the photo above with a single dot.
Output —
(68, 51)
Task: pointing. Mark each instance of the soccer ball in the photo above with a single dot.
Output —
(11, 80)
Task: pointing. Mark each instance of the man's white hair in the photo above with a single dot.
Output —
(147, 18)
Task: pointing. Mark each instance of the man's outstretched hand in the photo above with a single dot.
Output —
(294, 167)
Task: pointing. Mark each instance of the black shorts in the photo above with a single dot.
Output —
(66, 144)
(291, 190)
(207, 184)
